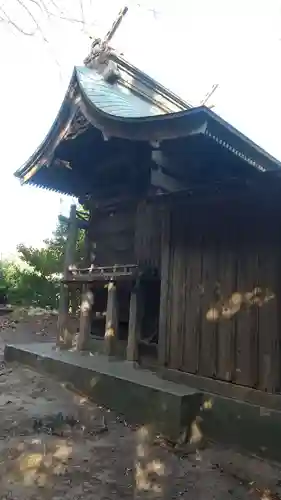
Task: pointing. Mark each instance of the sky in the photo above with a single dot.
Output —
(186, 45)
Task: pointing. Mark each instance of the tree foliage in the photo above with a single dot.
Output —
(48, 260)
(36, 281)
(26, 287)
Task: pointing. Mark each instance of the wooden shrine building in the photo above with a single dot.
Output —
(183, 240)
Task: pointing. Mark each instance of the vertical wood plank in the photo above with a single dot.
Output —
(254, 315)
(177, 286)
(226, 325)
(111, 322)
(208, 351)
(269, 335)
(193, 294)
(164, 288)
(171, 300)
(135, 320)
(148, 235)
(227, 284)
(246, 322)
(182, 301)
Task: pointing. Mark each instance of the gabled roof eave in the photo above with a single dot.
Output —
(45, 150)
(184, 122)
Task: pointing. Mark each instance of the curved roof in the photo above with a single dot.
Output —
(137, 108)
(115, 100)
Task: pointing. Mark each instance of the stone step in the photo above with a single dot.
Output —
(140, 396)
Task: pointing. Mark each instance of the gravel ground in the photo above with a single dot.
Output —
(95, 455)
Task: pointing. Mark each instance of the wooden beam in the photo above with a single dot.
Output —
(81, 223)
(87, 301)
(135, 319)
(231, 191)
(69, 257)
(111, 322)
(165, 182)
(88, 278)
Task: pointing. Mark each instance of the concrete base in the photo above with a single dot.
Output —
(139, 395)
(5, 309)
(247, 418)
(255, 428)
(144, 397)
(96, 346)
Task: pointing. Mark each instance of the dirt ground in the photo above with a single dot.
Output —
(55, 444)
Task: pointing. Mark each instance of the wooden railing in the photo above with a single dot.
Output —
(107, 273)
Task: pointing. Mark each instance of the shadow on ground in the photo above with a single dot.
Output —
(100, 456)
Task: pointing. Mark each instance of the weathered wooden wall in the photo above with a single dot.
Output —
(111, 235)
(129, 233)
(148, 235)
(220, 301)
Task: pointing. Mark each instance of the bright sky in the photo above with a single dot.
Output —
(191, 45)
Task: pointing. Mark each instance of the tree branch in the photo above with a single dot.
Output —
(65, 18)
(82, 13)
(10, 21)
(37, 3)
(53, 9)
(54, 4)
(29, 13)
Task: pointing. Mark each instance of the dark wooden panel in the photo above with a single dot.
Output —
(226, 287)
(111, 235)
(177, 285)
(193, 293)
(254, 316)
(164, 289)
(215, 321)
(172, 298)
(246, 318)
(269, 309)
(226, 323)
(208, 351)
(148, 235)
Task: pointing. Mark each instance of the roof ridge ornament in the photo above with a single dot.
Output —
(100, 54)
(100, 60)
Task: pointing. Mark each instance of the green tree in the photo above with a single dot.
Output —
(26, 287)
(48, 261)
(36, 281)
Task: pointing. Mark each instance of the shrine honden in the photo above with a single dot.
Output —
(183, 238)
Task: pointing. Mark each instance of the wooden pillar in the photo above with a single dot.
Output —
(111, 322)
(164, 289)
(69, 258)
(135, 319)
(63, 314)
(87, 301)
(74, 299)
